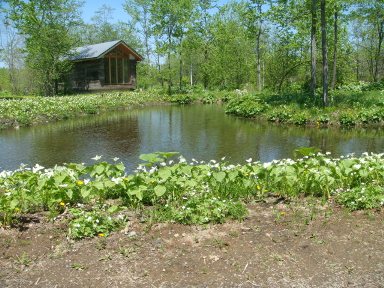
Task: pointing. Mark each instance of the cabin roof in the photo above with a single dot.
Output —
(95, 51)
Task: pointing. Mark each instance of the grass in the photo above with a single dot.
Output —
(25, 111)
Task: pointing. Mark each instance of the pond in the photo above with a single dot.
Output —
(202, 132)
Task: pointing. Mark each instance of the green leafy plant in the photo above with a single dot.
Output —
(92, 223)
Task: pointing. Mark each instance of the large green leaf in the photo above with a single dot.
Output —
(160, 190)
(219, 176)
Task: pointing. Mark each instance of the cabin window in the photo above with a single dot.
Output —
(126, 71)
(116, 70)
(113, 71)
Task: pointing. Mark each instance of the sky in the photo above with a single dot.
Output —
(90, 6)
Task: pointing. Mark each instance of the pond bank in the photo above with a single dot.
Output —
(38, 110)
(277, 245)
(355, 110)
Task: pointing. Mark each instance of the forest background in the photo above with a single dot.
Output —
(309, 46)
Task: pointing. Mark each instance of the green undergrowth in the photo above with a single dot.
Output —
(16, 112)
(167, 188)
(348, 107)
(345, 113)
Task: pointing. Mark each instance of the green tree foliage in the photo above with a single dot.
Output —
(46, 27)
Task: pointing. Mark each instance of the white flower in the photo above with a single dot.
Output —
(97, 157)
(116, 180)
(356, 166)
(266, 165)
(152, 170)
(115, 159)
(37, 168)
(249, 160)
(182, 160)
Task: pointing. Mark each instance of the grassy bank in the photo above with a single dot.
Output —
(95, 198)
(345, 116)
(16, 112)
(347, 109)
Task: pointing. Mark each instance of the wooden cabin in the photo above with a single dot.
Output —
(109, 65)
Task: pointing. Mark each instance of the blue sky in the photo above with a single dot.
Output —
(90, 6)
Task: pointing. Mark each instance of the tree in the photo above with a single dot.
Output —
(139, 10)
(335, 42)
(11, 52)
(324, 51)
(170, 20)
(313, 46)
(370, 15)
(46, 26)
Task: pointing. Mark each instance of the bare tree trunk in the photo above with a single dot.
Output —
(158, 63)
(263, 74)
(324, 52)
(146, 35)
(313, 47)
(180, 63)
(380, 30)
(258, 37)
(169, 63)
(205, 74)
(335, 31)
(191, 74)
(180, 71)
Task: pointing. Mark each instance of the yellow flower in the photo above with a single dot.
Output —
(17, 209)
(258, 187)
(101, 234)
(62, 203)
(80, 182)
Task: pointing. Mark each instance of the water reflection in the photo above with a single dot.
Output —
(201, 132)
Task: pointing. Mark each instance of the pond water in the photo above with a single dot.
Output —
(202, 132)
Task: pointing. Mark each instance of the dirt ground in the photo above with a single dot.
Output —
(278, 245)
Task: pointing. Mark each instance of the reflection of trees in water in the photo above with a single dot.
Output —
(197, 131)
(73, 140)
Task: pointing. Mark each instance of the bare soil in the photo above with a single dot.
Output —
(279, 245)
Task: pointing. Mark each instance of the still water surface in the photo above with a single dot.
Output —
(202, 132)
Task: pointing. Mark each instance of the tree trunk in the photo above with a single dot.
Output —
(335, 31)
(258, 37)
(205, 74)
(180, 71)
(324, 52)
(146, 33)
(169, 63)
(191, 74)
(180, 63)
(313, 48)
(380, 30)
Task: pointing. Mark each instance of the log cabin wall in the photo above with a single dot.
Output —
(114, 69)
(88, 75)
